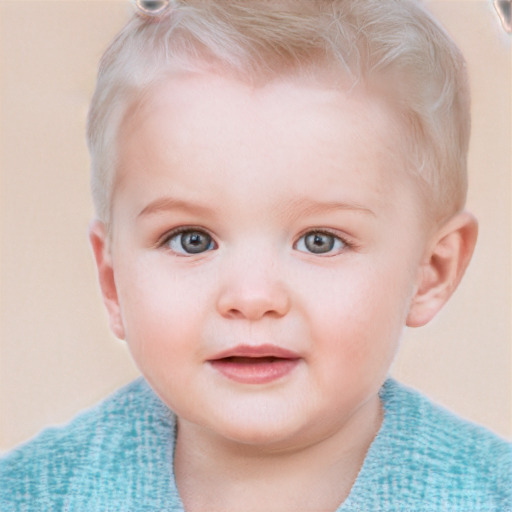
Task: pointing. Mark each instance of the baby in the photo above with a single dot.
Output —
(279, 189)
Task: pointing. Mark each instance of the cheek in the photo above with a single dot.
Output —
(160, 312)
(361, 313)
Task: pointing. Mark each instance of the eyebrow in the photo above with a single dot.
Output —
(307, 206)
(302, 206)
(165, 204)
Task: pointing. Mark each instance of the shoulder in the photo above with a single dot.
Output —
(442, 459)
(440, 433)
(101, 451)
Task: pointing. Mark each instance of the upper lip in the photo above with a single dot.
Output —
(256, 351)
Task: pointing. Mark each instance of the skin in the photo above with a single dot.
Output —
(257, 169)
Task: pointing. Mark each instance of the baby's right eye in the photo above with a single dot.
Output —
(189, 241)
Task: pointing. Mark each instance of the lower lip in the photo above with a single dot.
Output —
(254, 371)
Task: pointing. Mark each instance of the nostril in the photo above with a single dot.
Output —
(238, 304)
(234, 313)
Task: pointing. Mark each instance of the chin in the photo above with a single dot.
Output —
(261, 433)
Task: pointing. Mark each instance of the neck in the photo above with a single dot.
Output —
(217, 474)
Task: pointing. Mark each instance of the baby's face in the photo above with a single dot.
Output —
(266, 245)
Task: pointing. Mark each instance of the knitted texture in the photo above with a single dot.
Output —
(117, 457)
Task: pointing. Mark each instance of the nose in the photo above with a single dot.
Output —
(253, 291)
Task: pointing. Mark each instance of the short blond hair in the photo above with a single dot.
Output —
(367, 40)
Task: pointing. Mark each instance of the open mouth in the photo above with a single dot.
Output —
(255, 369)
(252, 360)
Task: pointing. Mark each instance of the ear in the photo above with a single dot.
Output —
(98, 238)
(443, 266)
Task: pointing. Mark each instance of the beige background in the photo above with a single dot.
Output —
(56, 353)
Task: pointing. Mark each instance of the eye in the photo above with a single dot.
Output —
(320, 242)
(189, 241)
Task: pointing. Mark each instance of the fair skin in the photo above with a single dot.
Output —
(266, 249)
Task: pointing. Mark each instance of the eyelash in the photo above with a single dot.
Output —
(346, 244)
(167, 238)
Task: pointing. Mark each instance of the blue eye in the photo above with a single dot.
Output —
(190, 241)
(320, 242)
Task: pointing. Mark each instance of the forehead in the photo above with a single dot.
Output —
(293, 133)
(197, 99)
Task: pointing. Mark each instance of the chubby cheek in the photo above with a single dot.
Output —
(358, 322)
(161, 317)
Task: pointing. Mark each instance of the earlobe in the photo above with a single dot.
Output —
(98, 238)
(443, 267)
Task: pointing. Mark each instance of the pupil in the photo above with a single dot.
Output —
(194, 242)
(319, 243)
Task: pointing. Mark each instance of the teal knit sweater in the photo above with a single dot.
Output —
(117, 457)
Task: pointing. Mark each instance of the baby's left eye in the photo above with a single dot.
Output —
(320, 242)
